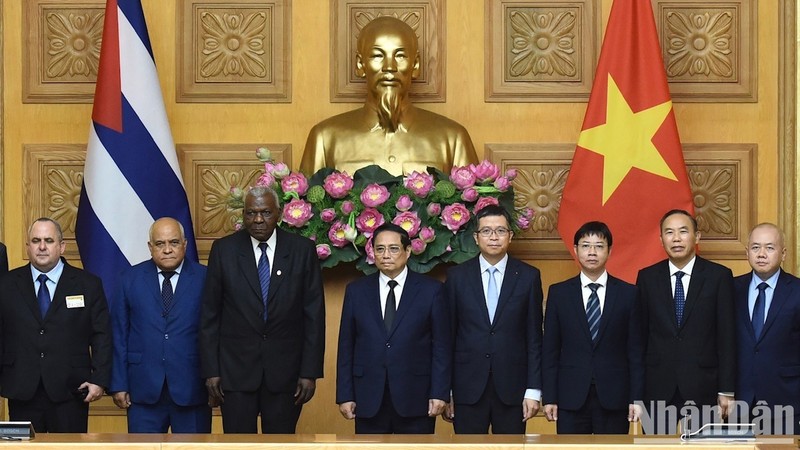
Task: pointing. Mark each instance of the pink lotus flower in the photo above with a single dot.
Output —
(297, 213)
(455, 216)
(427, 234)
(338, 184)
(348, 207)
(295, 182)
(408, 221)
(374, 195)
(528, 213)
(370, 252)
(369, 220)
(404, 203)
(327, 215)
(278, 171)
(483, 202)
(266, 180)
(511, 174)
(419, 183)
(339, 233)
(502, 184)
(485, 171)
(462, 177)
(313, 238)
(523, 223)
(418, 246)
(323, 251)
(434, 209)
(469, 195)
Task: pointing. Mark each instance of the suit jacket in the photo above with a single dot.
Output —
(698, 359)
(769, 367)
(151, 347)
(510, 348)
(571, 361)
(65, 348)
(414, 358)
(235, 343)
(3, 259)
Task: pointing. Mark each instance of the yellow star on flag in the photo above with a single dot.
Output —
(626, 140)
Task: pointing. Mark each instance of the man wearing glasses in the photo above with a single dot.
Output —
(394, 362)
(496, 315)
(593, 350)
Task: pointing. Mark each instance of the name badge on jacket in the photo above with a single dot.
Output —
(75, 301)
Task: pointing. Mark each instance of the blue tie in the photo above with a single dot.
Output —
(43, 295)
(263, 276)
(491, 293)
(759, 310)
(593, 311)
(680, 298)
(166, 290)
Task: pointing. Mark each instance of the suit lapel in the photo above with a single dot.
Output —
(247, 264)
(280, 263)
(575, 298)
(66, 286)
(150, 279)
(695, 287)
(409, 295)
(510, 278)
(475, 284)
(783, 291)
(609, 305)
(742, 309)
(185, 279)
(25, 285)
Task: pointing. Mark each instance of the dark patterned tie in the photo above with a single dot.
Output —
(263, 276)
(43, 295)
(166, 290)
(593, 311)
(759, 310)
(680, 298)
(391, 306)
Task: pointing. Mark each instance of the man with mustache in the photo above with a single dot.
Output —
(388, 131)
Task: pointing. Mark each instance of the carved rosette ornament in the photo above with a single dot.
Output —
(713, 200)
(64, 185)
(218, 217)
(233, 44)
(74, 41)
(543, 44)
(699, 44)
(541, 190)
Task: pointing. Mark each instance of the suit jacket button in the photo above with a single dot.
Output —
(491, 333)
(263, 337)
(41, 331)
(41, 355)
(388, 345)
(488, 355)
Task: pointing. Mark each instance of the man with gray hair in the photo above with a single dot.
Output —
(262, 336)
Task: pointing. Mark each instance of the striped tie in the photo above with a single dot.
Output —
(593, 312)
(680, 298)
(263, 276)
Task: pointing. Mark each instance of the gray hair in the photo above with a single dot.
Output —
(261, 191)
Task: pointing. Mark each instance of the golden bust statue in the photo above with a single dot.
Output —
(388, 131)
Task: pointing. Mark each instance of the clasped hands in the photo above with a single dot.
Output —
(305, 390)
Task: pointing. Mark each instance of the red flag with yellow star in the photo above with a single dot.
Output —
(628, 167)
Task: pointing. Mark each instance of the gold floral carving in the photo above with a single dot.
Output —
(74, 40)
(540, 190)
(217, 216)
(713, 200)
(64, 186)
(543, 45)
(699, 44)
(233, 44)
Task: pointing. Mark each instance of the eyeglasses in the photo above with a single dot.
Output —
(487, 232)
(392, 249)
(597, 247)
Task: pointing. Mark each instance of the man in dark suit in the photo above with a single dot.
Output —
(56, 337)
(768, 334)
(688, 325)
(592, 352)
(155, 318)
(495, 304)
(262, 335)
(3, 259)
(394, 362)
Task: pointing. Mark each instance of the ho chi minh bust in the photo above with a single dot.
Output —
(388, 131)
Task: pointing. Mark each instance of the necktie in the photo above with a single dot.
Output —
(759, 310)
(43, 295)
(593, 311)
(166, 290)
(680, 298)
(391, 306)
(491, 293)
(263, 276)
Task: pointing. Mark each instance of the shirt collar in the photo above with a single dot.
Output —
(501, 265)
(400, 278)
(53, 275)
(602, 280)
(177, 270)
(270, 242)
(687, 269)
(771, 281)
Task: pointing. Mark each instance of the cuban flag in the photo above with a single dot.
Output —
(131, 176)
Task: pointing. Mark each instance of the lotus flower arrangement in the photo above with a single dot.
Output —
(340, 211)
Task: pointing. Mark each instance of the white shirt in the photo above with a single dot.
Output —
(383, 286)
(687, 270)
(173, 280)
(270, 248)
(602, 280)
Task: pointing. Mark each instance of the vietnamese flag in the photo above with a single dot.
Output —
(628, 167)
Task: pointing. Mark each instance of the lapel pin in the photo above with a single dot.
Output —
(278, 273)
